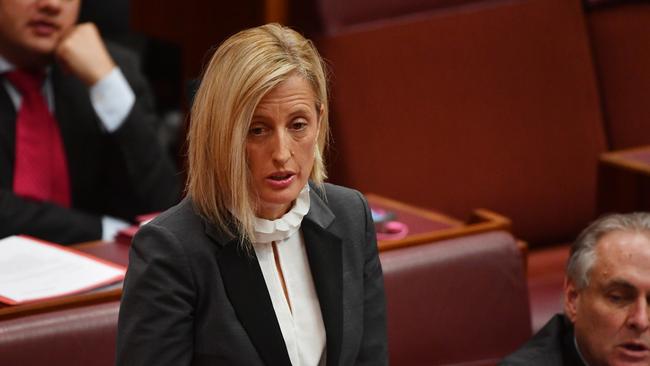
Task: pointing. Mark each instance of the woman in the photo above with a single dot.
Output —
(262, 263)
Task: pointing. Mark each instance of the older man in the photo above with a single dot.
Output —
(607, 300)
(78, 153)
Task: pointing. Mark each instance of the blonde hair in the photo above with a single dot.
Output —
(242, 70)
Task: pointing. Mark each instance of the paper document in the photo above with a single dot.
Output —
(33, 270)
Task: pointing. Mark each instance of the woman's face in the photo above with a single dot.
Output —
(280, 145)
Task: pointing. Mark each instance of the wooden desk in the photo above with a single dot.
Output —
(427, 225)
(111, 251)
(624, 180)
(424, 226)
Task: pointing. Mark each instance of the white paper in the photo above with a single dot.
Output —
(32, 270)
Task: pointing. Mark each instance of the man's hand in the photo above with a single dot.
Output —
(83, 53)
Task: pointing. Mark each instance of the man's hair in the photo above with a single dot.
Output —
(242, 70)
(583, 250)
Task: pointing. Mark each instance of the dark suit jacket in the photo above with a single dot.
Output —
(120, 174)
(552, 345)
(192, 296)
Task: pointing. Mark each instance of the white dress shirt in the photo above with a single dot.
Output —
(298, 313)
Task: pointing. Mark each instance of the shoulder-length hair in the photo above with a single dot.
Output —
(242, 70)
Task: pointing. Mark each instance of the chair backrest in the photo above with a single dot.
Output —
(459, 301)
(493, 106)
(318, 17)
(82, 336)
(620, 33)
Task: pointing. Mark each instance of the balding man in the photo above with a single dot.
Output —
(606, 317)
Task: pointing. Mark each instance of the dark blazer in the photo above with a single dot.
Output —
(121, 174)
(192, 296)
(552, 345)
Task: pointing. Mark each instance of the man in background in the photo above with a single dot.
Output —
(606, 317)
(78, 154)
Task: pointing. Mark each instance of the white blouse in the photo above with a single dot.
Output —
(300, 317)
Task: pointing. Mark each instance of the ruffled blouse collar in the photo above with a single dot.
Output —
(280, 229)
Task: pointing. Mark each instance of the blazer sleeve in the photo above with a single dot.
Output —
(374, 345)
(144, 176)
(155, 325)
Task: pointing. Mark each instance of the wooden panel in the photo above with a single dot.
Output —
(441, 226)
(276, 11)
(624, 180)
(196, 25)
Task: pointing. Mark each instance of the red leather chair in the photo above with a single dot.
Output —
(545, 272)
(326, 17)
(82, 336)
(482, 106)
(459, 301)
(620, 35)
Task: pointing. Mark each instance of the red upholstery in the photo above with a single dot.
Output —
(546, 269)
(594, 4)
(493, 106)
(456, 301)
(334, 15)
(620, 36)
(83, 336)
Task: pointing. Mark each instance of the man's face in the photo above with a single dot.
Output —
(33, 28)
(611, 315)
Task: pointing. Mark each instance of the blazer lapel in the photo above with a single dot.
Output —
(324, 251)
(246, 290)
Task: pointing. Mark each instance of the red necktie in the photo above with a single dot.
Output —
(40, 171)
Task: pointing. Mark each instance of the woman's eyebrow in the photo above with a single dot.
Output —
(304, 108)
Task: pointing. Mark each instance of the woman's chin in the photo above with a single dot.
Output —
(275, 209)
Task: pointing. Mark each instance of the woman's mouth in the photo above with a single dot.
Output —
(280, 180)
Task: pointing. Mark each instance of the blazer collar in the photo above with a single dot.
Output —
(246, 288)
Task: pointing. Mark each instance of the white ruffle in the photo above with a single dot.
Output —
(280, 229)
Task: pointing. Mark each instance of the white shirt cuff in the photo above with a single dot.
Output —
(112, 98)
(110, 227)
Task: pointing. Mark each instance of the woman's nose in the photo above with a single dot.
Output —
(281, 148)
(638, 316)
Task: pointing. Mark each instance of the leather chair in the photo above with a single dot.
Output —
(482, 106)
(82, 336)
(327, 17)
(459, 301)
(620, 34)
(545, 274)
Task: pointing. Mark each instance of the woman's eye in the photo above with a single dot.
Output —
(298, 125)
(256, 131)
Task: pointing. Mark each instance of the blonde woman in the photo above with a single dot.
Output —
(262, 263)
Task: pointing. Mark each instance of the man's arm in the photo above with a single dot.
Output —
(83, 53)
(46, 220)
(142, 176)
